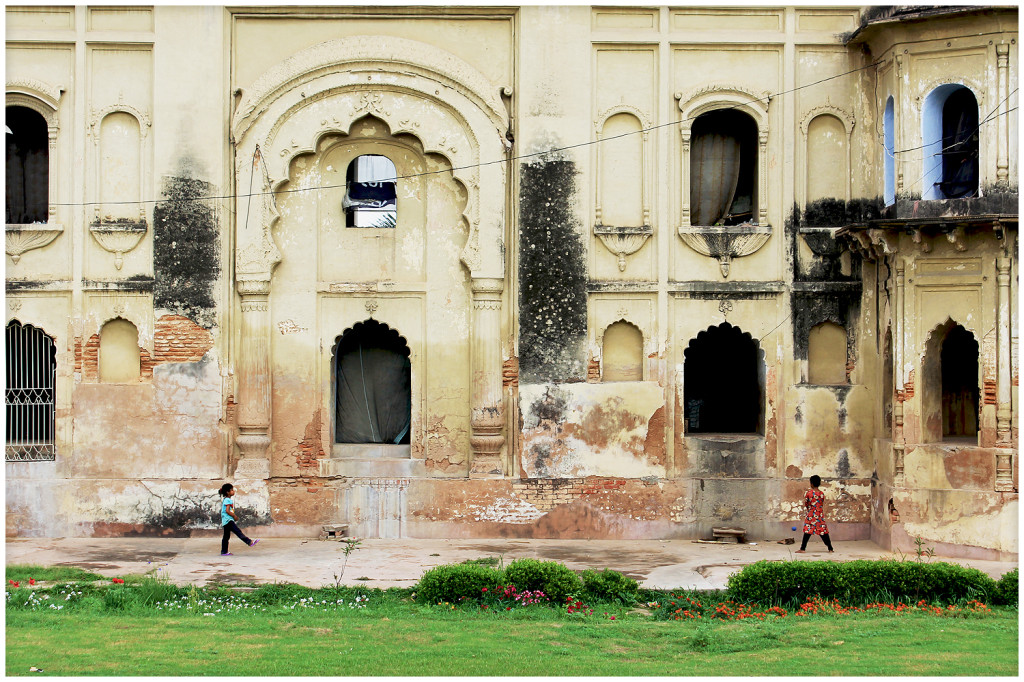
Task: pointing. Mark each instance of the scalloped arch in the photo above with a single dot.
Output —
(604, 329)
(99, 114)
(725, 326)
(360, 53)
(939, 332)
(352, 329)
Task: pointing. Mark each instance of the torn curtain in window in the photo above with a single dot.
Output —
(722, 167)
(372, 386)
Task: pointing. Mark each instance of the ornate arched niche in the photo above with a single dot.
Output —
(414, 90)
(412, 87)
(824, 173)
(725, 242)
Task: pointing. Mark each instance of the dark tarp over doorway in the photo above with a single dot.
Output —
(721, 386)
(372, 385)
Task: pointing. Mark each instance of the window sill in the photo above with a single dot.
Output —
(725, 242)
(22, 238)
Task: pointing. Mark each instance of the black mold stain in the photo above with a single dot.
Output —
(134, 283)
(552, 276)
(186, 248)
(843, 465)
(798, 416)
(811, 308)
(838, 212)
(550, 408)
(995, 200)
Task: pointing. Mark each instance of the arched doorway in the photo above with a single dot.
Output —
(372, 385)
(722, 384)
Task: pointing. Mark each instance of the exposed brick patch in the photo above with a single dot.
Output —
(594, 371)
(908, 389)
(78, 353)
(310, 447)
(90, 365)
(179, 339)
(510, 372)
(990, 394)
(850, 366)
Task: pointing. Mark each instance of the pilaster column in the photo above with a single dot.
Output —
(897, 128)
(684, 172)
(1004, 460)
(762, 178)
(254, 384)
(1003, 126)
(487, 420)
(899, 441)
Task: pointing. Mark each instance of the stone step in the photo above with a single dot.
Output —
(373, 467)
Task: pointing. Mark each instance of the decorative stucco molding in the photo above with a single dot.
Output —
(118, 237)
(726, 243)
(372, 53)
(22, 238)
(623, 241)
(35, 90)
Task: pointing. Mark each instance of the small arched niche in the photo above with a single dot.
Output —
(723, 389)
(950, 135)
(826, 354)
(621, 192)
(723, 168)
(119, 355)
(950, 398)
(120, 165)
(370, 197)
(27, 167)
(827, 153)
(372, 385)
(622, 353)
(888, 385)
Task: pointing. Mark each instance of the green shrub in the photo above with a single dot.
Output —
(119, 598)
(550, 577)
(453, 582)
(1006, 592)
(852, 582)
(609, 585)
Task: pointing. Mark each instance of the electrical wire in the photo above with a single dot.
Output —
(545, 152)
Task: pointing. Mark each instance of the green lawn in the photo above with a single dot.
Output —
(408, 639)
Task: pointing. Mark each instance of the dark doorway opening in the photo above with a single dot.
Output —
(372, 385)
(960, 145)
(722, 384)
(960, 394)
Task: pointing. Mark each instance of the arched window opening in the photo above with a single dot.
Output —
(28, 167)
(889, 141)
(950, 134)
(623, 353)
(826, 354)
(723, 169)
(370, 199)
(960, 392)
(30, 393)
(722, 382)
(119, 356)
(372, 385)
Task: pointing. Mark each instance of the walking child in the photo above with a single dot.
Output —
(228, 518)
(814, 503)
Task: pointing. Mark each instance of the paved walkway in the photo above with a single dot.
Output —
(664, 564)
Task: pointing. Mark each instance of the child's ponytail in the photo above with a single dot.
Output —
(224, 489)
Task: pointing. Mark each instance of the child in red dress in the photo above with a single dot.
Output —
(814, 503)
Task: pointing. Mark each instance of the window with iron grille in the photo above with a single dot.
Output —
(31, 378)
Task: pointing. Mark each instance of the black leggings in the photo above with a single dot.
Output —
(229, 528)
(803, 545)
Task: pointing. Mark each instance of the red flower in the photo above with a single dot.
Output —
(31, 581)
(13, 582)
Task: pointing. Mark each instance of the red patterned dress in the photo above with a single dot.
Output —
(814, 500)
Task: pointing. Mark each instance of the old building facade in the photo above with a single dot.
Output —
(575, 272)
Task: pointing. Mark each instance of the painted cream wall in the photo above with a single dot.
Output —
(207, 84)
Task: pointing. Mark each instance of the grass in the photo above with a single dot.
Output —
(49, 573)
(277, 636)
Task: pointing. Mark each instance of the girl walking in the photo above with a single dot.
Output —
(228, 518)
(814, 503)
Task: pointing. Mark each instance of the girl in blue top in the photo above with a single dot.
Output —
(228, 518)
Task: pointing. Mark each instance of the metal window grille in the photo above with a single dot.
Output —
(31, 377)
